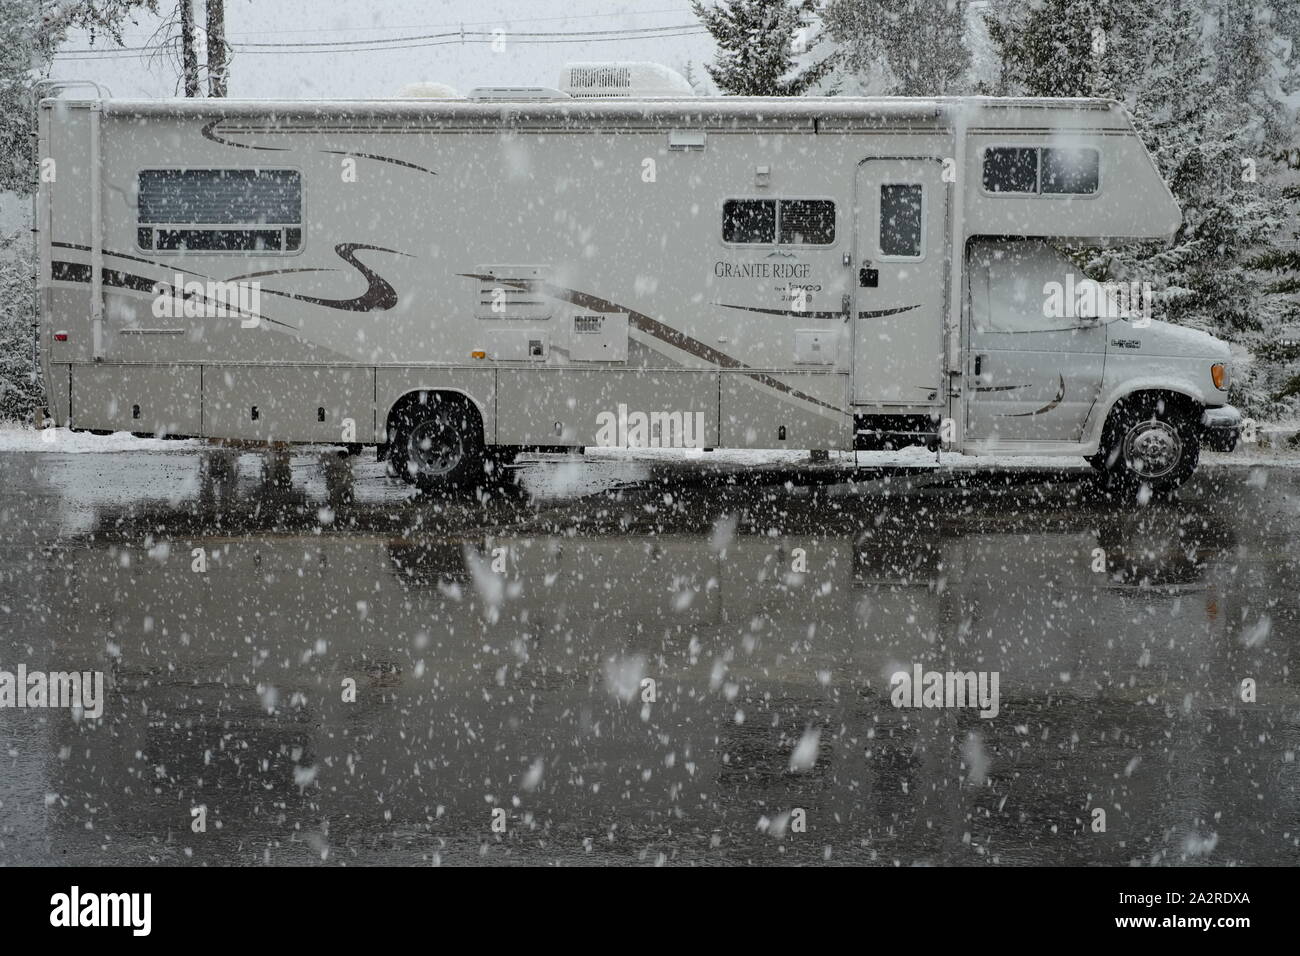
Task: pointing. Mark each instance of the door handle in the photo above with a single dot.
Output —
(979, 364)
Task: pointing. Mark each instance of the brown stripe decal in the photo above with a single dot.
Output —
(123, 255)
(654, 327)
(80, 272)
(379, 295)
(1060, 396)
(209, 133)
(803, 314)
(881, 313)
(873, 314)
(380, 159)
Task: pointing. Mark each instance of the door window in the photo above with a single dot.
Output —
(901, 221)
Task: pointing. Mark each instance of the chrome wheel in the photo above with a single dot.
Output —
(1152, 449)
(434, 448)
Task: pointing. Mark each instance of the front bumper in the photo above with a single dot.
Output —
(1220, 428)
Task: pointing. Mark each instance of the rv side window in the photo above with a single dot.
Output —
(1011, 170)
(798, 222)
(900, 221)
(220, 210)
(1072, 171)
(749, 220)
(1046, 170)
(807, 222)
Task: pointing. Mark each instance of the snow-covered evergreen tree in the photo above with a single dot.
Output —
(1047, 47)
(18, 20)
(906, 47)
(762, 47)
(29, 32)
(1211, 127)
(19, 388)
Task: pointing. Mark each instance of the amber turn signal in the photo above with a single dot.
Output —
(1219, 372)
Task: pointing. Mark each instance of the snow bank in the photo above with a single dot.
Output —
(66, 442)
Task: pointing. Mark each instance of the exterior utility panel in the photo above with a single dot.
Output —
(729, 272)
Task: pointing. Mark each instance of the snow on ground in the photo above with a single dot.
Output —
(18, 438)
(67, 442)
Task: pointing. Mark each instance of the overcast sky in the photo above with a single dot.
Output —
(327, 72)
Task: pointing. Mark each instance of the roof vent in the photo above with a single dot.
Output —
(427, 91)
(625, 80)
(516, 94)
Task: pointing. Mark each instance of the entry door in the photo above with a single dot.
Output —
(901, 212)
(1034, 366)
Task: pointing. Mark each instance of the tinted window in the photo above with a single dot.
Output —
(1070, 170)
(808, 221)
(251, 203)
(220, 196)
(749, 220)
(900, 220)
(1011, 170)
(240, 240)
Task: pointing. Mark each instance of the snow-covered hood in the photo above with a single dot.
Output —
(1162, 338)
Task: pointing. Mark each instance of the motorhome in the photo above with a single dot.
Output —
(614, 262)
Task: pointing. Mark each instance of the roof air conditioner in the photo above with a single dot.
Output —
(625, 80)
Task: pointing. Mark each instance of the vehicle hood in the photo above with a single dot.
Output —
(1163, 338)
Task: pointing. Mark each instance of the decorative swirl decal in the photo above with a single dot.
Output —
(209, 133)
(1060, 396)
(61, 271)
(379, 295)
(873, 314)
(379, 159)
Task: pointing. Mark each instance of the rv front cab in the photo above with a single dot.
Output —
(1060, 360)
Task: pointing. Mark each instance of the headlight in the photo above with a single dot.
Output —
(1219, 372)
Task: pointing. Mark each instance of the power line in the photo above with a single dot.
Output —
(421, 41)
(477, 33)
(413, 46)
(466, 23)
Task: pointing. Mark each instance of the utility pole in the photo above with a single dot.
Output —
(216, 47)
(189, 55)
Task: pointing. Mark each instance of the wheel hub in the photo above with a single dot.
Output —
(1152, 449)
(434, 448)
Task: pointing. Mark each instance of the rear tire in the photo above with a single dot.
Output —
(438, 442)
(1149, 440)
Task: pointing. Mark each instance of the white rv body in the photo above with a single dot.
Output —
(802, 273)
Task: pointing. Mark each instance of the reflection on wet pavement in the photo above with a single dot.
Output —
(644, 661)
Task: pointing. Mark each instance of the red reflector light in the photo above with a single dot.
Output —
(60, 336)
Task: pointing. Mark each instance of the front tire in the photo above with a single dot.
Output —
(1149, 441)
(438, 442)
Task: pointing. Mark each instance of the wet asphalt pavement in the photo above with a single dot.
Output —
(645, 661)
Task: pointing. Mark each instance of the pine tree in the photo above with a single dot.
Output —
(18, 26)
(918, 44)
(19, 388)
(758, 50)
(1047, 47)
(30, 30)
(1207, 124)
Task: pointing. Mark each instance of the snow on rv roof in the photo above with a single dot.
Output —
(940, 111)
